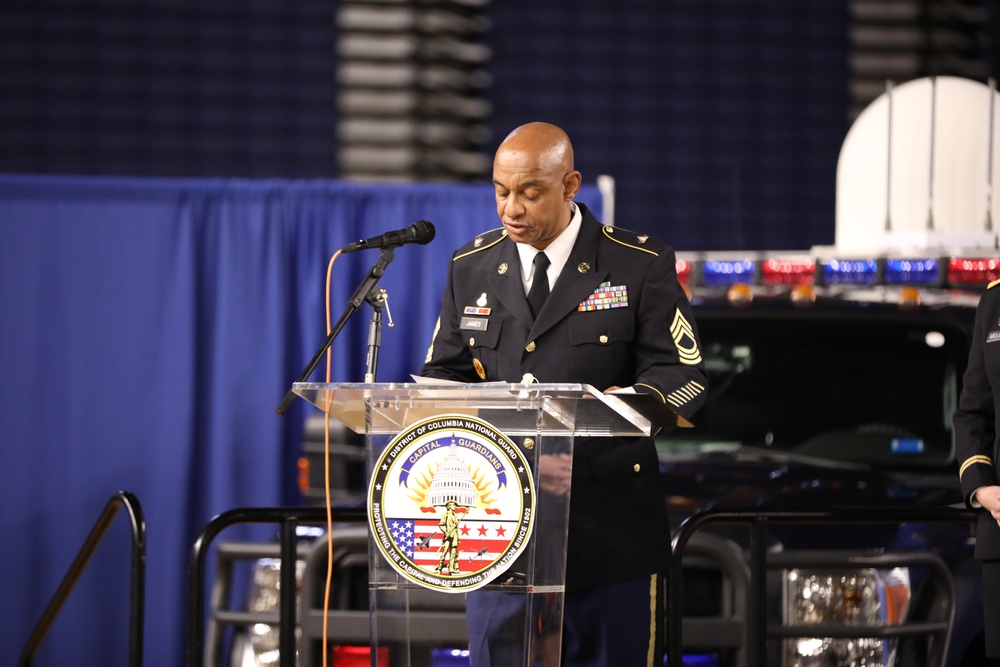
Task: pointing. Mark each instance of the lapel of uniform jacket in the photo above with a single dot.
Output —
(578, 279)
(505, 281)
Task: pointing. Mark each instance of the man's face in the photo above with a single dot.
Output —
(531, 202)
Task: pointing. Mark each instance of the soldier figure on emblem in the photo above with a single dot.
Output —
(449, 543)
(555, 295)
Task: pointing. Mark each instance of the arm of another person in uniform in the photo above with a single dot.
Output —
(988, 497)
(974, 426)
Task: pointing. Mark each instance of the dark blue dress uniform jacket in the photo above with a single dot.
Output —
(975, 422)
(618, 524)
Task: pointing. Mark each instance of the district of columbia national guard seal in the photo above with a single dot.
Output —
(451, 503)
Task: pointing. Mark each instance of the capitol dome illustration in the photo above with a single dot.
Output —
(452, 481)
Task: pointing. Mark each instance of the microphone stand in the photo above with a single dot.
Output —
(363, 293)
(378, 300)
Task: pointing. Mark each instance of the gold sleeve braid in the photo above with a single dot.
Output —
(973, 460)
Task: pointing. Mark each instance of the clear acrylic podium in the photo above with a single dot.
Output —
(409, 620)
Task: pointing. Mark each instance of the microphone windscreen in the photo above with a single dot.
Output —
(424, 231)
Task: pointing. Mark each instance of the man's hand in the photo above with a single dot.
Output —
(989, 498)
(555, 473)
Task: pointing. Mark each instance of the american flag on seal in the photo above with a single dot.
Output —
(481, 541)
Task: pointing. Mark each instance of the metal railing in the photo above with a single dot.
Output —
(755, 614)
(745, 628)
(288, 518)
(138, 578)
(433, 620)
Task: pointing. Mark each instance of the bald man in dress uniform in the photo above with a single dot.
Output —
(602, 307)
(976, 429)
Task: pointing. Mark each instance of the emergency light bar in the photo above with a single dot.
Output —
(777, 270)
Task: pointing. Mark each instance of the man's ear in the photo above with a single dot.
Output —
(571, 185)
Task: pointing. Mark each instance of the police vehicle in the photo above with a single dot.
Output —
(834, 375)
(832, 385)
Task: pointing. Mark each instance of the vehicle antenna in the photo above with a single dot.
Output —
(888, 158)
(930, 179)
(989, 159)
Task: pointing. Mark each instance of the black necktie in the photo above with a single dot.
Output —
(539, 284)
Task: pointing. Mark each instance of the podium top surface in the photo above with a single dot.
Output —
(515, 409)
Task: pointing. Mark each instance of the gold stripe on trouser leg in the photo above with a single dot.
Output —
(651, 651)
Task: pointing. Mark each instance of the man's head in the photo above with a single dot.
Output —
(535, 182)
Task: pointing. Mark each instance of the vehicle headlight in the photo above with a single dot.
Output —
(864, 597)
(265, 590)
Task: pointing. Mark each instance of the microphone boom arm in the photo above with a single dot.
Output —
(367, 285)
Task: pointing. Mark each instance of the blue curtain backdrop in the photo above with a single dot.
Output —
(150, 329)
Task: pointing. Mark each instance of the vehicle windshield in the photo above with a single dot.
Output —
(874, 392)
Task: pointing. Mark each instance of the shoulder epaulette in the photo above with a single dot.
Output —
(481, 242)
(993, 284)
(633, 240)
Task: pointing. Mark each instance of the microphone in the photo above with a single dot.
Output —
(421, 232)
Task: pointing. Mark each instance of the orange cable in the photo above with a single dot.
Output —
(326, 475)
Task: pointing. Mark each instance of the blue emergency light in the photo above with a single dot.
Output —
(911, 446)
(850, 271)
(912, 272)
(727, 272)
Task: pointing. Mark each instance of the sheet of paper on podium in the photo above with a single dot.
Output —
(659, 414)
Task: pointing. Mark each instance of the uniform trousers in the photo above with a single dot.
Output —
(619, 625)
(991, 608)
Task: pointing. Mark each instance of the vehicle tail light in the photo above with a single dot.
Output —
(303, 464)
